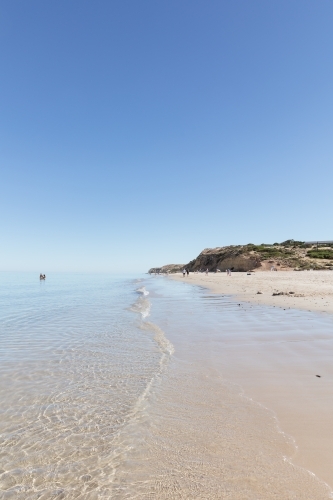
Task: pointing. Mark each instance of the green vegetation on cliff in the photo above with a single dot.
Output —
(287, 255)
(321, 253)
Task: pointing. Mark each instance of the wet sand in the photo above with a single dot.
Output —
(201, 440)
(280, 371)
(142, 389)
(211, 427)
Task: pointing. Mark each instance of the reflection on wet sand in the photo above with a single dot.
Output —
(204, 440)
(163, 392)
(207, 435)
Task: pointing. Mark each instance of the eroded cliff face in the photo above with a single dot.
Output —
(223, 258)
(284, 256)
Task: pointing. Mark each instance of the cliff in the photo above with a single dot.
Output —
(223, 258)
(282, 256)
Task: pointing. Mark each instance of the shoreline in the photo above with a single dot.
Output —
(284, 365)
(312, 290)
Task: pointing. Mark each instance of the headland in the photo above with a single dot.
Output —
(283, 360)
(292, 274)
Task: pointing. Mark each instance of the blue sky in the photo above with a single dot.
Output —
(135, 134)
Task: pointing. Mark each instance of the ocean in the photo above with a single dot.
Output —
(118, 386)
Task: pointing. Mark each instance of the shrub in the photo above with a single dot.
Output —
(320, 254)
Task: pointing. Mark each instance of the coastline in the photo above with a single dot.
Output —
(216, 424)
(313, 290)
(284, 360)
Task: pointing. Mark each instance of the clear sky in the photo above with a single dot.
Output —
(137, 133)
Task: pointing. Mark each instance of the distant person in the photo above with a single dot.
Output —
(207, 272)
(187, 272)
(184, 272)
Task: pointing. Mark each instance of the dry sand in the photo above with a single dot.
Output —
(313, 290)
(280, 371)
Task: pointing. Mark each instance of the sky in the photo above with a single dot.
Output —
(136, 134)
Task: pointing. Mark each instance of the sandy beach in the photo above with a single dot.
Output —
(312, 290)
(288, 370)
(156, 388)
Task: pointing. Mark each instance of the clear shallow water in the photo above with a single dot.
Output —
(113, 387)
(205, 438)
(74, 366)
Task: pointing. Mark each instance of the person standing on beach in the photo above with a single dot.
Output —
(187, 272)
(184, 273)
(207, 271)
